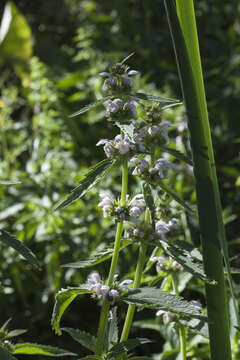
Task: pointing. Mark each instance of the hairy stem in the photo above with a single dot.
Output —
(106, 304)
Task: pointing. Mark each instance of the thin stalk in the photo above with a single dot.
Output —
(106, 304)
(184, 35)
(182, 330)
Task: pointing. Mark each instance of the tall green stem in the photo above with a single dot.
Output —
(106, 304)
(182, 330)
(182, 24)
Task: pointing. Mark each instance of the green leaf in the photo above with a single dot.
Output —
(82, 337)
(94, 175)
(11, 241)
(126, 346)
(90, 106)
(177, 154)
(148, 197)
(9, 182)
(140, 358)
(157, 299)
(127, 129)
(15, 333)
(197, 326)
(91, 357)
(36, 349)
(5, 355)
(153, 98)
(62, 300)
(189, 257)
(97, 257)
(175, 196)
(112, 330)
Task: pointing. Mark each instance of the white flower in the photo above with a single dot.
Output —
(162, 166)
(162, 227)
(124, 284)
(166, 315)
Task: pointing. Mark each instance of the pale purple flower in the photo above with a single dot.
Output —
(135, 211)
(197, 304)
(161, 261)
(138, 200)
(166, 315)
(124, 284)
(141, 166)
(176, 265)
(104, 291)
(162, 227)
(129, 105)
(108, 148)
(122, 145)
(113, 295)
(153, 130)
(108, 83)
(104, 74)
(106, 204)
(162, 165)
(132, 72)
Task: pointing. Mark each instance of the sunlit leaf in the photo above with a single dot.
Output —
(36, 349)
(82, 337)
(126, 346)
(153, 98)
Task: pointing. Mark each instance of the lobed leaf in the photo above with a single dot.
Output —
(153, 98)
(90, 106)
(177, 154)
(126, 346)
(22, 249)
(82, 337)
(155, 298)
(36, 349)
(189, 257)
(175, 196)
(94, 175)
(62, 300)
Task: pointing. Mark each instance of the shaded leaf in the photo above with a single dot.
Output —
(97, 257)
(155, 298)
(36, 349)
(62, 300)
(188, 256)
(126, 346)
(94, 175)
(127, 129)
(82, 337)
(175, 196)
(91, 357)
(23, 250)
(5, 355)
(112, 330)
(148, 197)
(90, 106)
(197, 326)
(153, 98)
(15, 333)
(178, 155)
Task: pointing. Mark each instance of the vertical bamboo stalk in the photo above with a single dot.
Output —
(208, 201)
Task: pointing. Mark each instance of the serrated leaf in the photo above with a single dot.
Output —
(112, 330)
(90, 106)
(36, 349)
(127, 129)
(178, 155)
(94, 175)
(96, 258)
(62, 300)
(188, 256)
(15, 333)
(197, 326)
(82, 337)
(9, 182)
(148, 197)
(155, 298)
(175, 196)
(23, 250)
(154, 98)
(5, 355)
(126, 346)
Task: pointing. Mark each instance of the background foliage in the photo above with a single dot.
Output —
(50, 61)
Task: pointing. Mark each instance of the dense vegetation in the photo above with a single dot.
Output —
(50, 61)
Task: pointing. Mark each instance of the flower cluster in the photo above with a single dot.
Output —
(148, 173)
(153, 135)
(119, 146)
(117, 110)
(132, 209)
(103, 291)
(166, 264)
(119, 78)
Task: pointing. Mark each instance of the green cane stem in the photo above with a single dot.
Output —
(106, 304)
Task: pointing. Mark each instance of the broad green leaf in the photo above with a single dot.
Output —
(157, 299)
(90, 106)
(97, 257)
(15, 333)
(15, 37)
(94, 175)
(126, 346)
(188, 256)
(85, 339)
(153, 98)
(177, 154)
(148, 197)
(9, 182)
(175, 196)
(23, 250)
(5, 355)
(36, 349)
(62, 300)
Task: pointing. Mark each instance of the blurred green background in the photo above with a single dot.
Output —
(51, 53)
